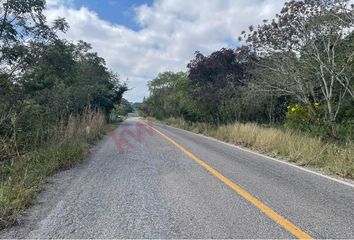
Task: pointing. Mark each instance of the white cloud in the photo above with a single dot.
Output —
(171, 31)
(56, 3)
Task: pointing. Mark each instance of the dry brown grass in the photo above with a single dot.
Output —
(24, 176)
(302, 149)
(88, 125)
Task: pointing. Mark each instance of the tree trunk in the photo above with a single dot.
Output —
(332, 121)
(334, 129)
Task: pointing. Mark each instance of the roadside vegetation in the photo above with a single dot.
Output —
(55, 100)
(288, 90)
(24, 176)
(287, 144)
(123, 109)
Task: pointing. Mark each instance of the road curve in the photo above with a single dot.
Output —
(156, 189)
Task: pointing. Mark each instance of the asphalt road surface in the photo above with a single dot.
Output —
(174, 184)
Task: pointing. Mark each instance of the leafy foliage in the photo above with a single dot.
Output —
(215, 80)
(122, 110)
(302, 116)
(55, 97)
(44, 79)
(170, 97)
(302, 57)
(303, 52)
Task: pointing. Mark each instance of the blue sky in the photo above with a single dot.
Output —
(140, 38)
(114, 11)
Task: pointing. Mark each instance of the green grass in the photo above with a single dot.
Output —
(289, 145)
(24, 177)
(21, 178)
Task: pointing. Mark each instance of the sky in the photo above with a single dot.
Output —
(140, 38)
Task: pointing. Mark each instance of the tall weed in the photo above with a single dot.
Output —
(23, 176)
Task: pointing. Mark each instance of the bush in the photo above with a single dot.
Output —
(300, 116)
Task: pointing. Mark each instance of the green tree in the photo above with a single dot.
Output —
(170, 97)
(304, 38)
(21, 22)
(66, 78)
(122, 109)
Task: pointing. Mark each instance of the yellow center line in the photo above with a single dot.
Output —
(286, 224)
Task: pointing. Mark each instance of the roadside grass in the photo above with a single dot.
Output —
(24, 176)
(301, 149)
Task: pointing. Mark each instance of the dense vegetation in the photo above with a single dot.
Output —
(287, 92)
(122, 110)
(295, 70)
(55, 97)
(44, 79)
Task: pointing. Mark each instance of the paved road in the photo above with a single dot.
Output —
(157, 190)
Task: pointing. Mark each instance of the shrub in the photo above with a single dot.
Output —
(302, 116)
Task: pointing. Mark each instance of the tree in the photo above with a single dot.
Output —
(20, 23)
(169, 97)
(67, 78)
(122, 109)
(214, 81)
(44, 79)
(306, 37)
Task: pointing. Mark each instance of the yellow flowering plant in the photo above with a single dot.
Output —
(302, 115)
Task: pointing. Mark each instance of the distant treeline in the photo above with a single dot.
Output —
(123, 109)
(45, 79)
(296, 69)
